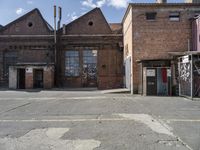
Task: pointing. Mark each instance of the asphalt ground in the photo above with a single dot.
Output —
(92, 120)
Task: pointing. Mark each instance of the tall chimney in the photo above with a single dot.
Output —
(161, 1)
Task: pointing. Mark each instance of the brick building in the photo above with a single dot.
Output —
(89, 53)
(151, 32)
(26, 53)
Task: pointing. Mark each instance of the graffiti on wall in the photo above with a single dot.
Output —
(185, 72)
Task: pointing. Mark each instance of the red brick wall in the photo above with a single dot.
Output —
(81, 25)
(109, 70)
(20, 26)
(154, 39)
(48, 77)
(29, 80)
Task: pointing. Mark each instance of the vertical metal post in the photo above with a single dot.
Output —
(191, 62)
(179, 83)
(59, 16)
(55, 39)
(55, 48)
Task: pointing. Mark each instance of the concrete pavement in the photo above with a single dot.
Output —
(84, 120)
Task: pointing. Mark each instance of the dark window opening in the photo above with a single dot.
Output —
(72, 63)
(151, 15)
(90, 23)
(10, 59)
(30, 24)
(174, 16)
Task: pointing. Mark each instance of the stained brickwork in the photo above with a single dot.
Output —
(27, 40)
(31, 42)
(153, 39)
(92, 32)
(28, 80)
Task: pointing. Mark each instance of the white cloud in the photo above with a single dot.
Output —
(92, 4)
(118, 3)
(101, 3)
(71, 17)
(29, 2)
(19, 11)
(88, 3)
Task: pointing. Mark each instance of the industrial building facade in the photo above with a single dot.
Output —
(89, 53)
(155, 36)
(147, 53)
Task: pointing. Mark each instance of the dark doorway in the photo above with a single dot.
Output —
(21, 78)
(151, 82)
(38, 78)
(89, 68)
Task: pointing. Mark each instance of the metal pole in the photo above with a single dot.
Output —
(179, 83)
(191, 76)
(55, 39)
(55, 45)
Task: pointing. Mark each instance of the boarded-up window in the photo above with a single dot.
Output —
(72, 64)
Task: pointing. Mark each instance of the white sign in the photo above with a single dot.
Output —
(169, 72)
(185, 59)
(151, 73)
(29, 70)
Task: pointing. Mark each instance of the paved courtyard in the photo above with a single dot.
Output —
(91, 120)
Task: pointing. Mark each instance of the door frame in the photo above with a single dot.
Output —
(34, 77)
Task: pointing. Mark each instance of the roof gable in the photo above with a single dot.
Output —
(92, 22)
(31, 23)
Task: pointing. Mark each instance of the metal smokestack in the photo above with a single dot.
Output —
(59, 16)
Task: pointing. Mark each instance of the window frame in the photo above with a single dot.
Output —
(174, 16)
(151, 16)
(72, 63)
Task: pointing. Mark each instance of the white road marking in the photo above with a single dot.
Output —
(182, 120)
(47, 139)
(55, 98)
(152, 123)
(67, 120)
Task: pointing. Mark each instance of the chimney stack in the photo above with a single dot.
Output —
(161, 1)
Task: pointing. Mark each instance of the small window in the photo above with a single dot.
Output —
(90, 23)
(174, 16)
(72, 63)
(30, 24)
(151, 16)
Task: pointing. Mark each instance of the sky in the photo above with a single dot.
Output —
(113, 10)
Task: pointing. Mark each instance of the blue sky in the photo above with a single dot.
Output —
(112, 9)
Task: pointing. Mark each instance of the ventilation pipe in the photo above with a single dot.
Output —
(59, 16)
(64, 29)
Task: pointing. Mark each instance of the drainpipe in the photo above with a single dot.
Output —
(188, 45)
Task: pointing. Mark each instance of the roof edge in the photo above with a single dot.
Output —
(23, 16)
